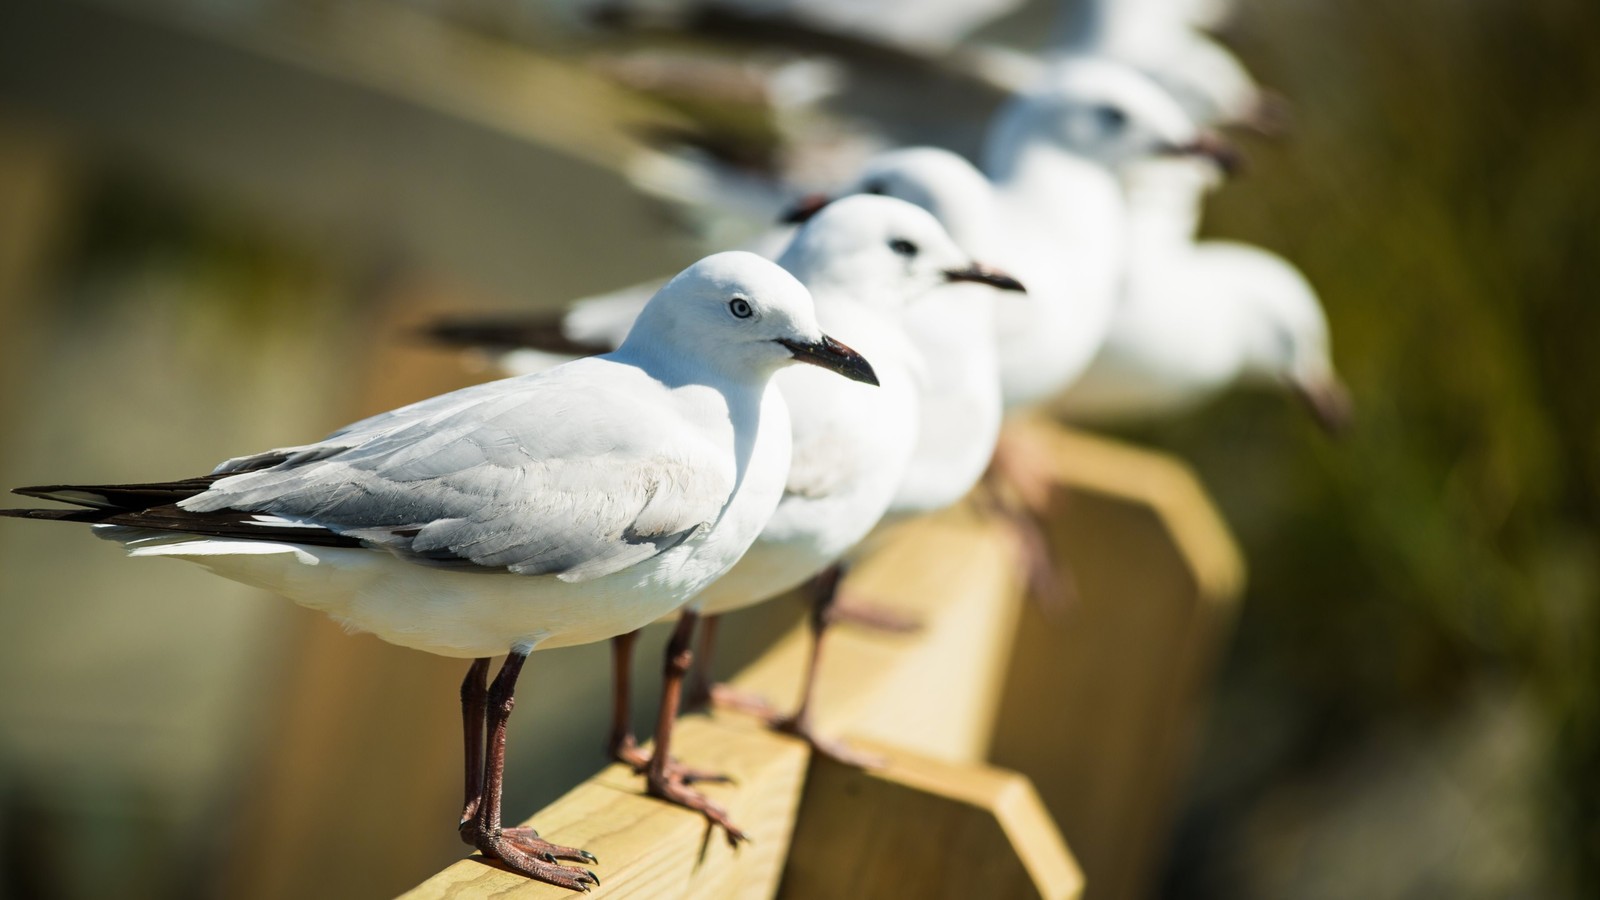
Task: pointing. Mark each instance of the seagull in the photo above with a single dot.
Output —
(523, 514)
(1198, 317)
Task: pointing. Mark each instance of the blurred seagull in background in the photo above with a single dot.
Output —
(540, 511)
(1199, 317)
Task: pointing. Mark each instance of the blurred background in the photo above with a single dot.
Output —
(221, 222)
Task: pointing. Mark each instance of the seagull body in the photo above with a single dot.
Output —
(960, 398)
(584, 501)
(1066, 245)
(709, 496)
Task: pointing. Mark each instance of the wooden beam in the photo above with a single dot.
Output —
(1101, 708)
(927, 829)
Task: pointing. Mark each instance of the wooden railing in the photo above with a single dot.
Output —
(1093, 713)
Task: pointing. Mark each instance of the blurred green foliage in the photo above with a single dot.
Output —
(1441, 189)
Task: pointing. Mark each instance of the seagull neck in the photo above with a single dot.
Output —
(1040, 167)
(667, 362)
(1165, 201)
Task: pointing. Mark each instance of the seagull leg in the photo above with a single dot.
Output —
(660, 778)
(714, 693)
(520, 849)
(474, 703)
(1017, 491)
(826, 592)
(874, 617)
(622, 745)
(698, 693)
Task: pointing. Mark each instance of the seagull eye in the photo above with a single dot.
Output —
(875, 187)
(740, 308)
(903, 247)
(1111, 118)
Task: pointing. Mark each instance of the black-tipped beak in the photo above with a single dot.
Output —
(1214, 147)
(835, 357)
(803, 209)
(1329, 403)
(979, 273)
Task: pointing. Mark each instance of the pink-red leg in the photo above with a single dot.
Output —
(660, 779)
(519, 849)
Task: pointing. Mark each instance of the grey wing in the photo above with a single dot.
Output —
(534, 482)
(357, 433)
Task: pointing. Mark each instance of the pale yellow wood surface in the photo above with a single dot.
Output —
(927, 829)
(1101, 706)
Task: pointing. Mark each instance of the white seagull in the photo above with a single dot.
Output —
(1199, 317)
(534, 512)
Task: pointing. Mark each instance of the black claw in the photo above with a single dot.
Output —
(592, 877)
(589, 858)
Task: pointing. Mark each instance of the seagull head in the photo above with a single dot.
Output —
(939, 181)
(882, 252)
(1287, 344)
(1105, 111)
(741, 315)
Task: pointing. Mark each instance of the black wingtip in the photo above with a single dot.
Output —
(56, 515)
(508, 333)
(119, 497)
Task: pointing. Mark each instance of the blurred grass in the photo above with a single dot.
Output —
(1441, 190)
